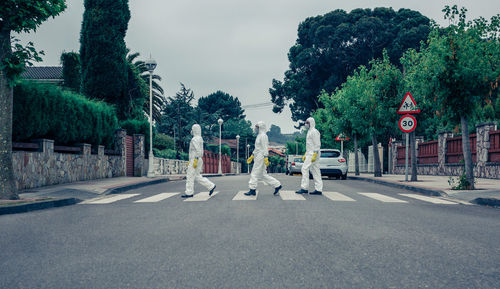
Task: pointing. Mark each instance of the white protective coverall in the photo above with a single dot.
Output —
(313, 145)
(260, 152)
(196, 151)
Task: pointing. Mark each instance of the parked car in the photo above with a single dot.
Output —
(332, 164)
(295, 165)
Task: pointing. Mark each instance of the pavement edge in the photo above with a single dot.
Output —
(424, 191)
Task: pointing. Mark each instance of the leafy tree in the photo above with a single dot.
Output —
(16, 16)
(460, 69)
(72, 70)
(103, 52)
(296, 147)
(331, 46)
(222, 105)
(178, 117)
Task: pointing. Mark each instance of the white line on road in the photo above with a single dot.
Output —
(240, 196)
(201, 197)
(291, 196)
(382, 198)
(429, 199)
(157, 198)
(335, 196)
(111, 199)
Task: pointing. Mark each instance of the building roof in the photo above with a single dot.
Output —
(43, 73)
(277, 152)
(229, 142)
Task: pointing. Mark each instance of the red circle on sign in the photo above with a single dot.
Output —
(407, 123)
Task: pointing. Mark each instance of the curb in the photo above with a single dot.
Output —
(23, 208)
(425, 191)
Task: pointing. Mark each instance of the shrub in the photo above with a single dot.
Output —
(47, 111)
(162, 141)
(137, 126)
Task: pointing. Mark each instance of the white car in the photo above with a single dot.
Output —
(332, 164)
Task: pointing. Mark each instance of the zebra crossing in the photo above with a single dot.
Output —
(283, 195)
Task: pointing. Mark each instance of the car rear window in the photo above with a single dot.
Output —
(330, 154)
(297, 160)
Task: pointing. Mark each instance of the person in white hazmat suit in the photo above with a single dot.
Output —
(259, 157)
(195, 164)
(311, 160)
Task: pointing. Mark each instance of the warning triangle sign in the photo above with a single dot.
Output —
(408, 105)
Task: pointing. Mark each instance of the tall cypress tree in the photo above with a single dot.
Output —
(103, 51)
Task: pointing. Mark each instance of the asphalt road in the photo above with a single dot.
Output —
(267, 243)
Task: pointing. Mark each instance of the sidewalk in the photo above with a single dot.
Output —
(487, 191)
(72, 193)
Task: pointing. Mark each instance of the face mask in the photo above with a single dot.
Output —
(256, 130)
(192, 132)
(307, 125)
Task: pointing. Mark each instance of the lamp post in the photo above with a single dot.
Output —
(220, 121)
(238, 154)
(248, 155)
(150, 65)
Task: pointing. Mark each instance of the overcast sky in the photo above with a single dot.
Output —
(231, 45)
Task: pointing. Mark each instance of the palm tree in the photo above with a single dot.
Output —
(142, 73)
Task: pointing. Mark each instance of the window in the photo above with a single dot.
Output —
(330, 154)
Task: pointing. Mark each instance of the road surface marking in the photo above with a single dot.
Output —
(429, 199)
(157, 198)
(335, 196)
(111, 199)
(291, 196)
(382, 198)
(201, 197)
(240, 196)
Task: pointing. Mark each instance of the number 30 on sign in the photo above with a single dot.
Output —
(407, 123)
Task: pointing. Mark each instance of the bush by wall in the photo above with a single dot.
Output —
(47, 111)
(225, 150)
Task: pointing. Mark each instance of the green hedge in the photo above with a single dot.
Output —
(47, 111)
(225, 149)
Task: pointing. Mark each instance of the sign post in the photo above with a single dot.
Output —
(342, 137)
(407, 123)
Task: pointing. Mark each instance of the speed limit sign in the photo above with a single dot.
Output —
(407, 123)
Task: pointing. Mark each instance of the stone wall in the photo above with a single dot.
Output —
(45, 167)
(178, 167)
(482, 168)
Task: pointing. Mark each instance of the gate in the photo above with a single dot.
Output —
(130, 156)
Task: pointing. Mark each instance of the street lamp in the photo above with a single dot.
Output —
(248, 155)
(150, 66)
(220, 121)
(238, 154)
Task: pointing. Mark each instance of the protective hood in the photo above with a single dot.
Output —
(262, 127)
(196, 130)
(312, 122)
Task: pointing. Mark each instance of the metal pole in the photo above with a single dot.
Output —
(406, 156)
(151, 156)
(296, 148)
(238, 155)
(342, 148)
(220, 149)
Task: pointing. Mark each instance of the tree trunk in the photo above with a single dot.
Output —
(413, 147)
(469, 166)
(356, 157)
(7, 187)
(377, 172)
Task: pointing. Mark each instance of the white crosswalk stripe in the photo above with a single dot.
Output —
(201, 197)
(157, 198)
(110, 199)
(382, 198)
(240, 196)
(336, 196)
(291, 196)
(429, 199)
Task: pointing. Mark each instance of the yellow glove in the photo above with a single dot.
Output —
(303, 157)
(189, 163)
(266, 162)
(195, 163)
(315, 155)
(250, 159)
